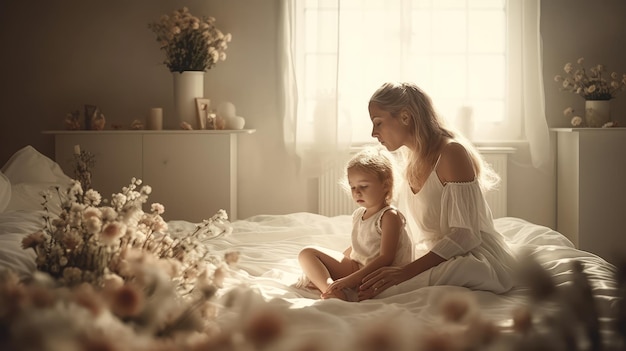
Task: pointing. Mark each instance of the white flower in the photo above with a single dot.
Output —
(577, 121)
(568, 111)
(108, 214)
(591, 89)
(93, 225)
(568, 68)
(93, 197)
(91, 211)
(146, 189)
(157, 208)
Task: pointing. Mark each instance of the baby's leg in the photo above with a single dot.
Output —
(323, 266)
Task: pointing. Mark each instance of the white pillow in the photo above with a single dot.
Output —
(30, 173)
(28, 165)
(5, 191)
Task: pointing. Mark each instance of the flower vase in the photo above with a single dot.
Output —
(597, 112)
(188, 85)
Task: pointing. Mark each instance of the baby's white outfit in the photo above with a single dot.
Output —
(366, 238)
(455, 222)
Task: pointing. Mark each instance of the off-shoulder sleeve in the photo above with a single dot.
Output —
(462, 207)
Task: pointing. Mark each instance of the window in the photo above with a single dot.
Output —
(463, 53)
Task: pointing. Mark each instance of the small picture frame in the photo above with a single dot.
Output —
(202, 107)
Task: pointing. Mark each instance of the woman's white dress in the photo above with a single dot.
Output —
(455, 222)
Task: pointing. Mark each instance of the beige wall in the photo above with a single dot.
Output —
(59, 55)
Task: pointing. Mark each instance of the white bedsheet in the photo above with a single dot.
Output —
(268, 269)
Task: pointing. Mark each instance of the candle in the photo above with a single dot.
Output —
(155, 120)
(77, 149)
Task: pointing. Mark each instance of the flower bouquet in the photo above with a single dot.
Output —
(594, 84)
(190, 43)
(94, 243)
(114, 277)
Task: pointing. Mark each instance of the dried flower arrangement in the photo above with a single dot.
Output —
(111, 276)
(84, 161)
(595, 84)
(90, 242)
(190, 43)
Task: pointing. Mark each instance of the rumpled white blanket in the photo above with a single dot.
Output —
(268, 269)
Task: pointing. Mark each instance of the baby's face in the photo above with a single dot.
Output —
(367, 189)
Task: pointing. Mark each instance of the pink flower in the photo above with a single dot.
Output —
(111, 232)
(127, 301)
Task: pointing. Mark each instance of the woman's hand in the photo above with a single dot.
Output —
(380, 280)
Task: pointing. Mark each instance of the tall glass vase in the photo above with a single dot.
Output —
(597, 112)
(188, 86)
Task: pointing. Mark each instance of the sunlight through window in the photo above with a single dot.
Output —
(463, 53)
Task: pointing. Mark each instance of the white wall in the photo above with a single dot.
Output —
(58, 55)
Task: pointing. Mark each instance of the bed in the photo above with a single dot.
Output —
(258, 305)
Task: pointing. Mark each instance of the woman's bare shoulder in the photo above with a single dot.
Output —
(455, 164)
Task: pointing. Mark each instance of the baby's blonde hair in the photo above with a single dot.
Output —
(377, 161)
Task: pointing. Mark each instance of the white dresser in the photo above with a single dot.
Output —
(591, 188)
(192, 173)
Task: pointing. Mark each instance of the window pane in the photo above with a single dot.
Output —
(449, 76)
(486, 75)
(486, 4)
(449, 30)
(488, 110)
(486, 31)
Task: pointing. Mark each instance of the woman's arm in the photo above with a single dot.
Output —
(386, 277)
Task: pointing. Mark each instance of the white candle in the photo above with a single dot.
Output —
(155, 120)
(77, 149)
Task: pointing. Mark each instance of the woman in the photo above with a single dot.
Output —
(442, 199)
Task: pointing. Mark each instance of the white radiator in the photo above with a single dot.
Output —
(334, 201)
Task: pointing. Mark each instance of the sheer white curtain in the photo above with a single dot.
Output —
(316, 128)
(444, 46)
(535, 123)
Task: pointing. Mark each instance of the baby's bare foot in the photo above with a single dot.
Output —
(336, 294)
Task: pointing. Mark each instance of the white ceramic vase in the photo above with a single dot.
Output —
(188, 86)
(597, 112)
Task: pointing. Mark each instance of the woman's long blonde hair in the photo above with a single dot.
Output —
(428, 131)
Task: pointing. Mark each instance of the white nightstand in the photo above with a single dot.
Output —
(192, 173)
(591, 188)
